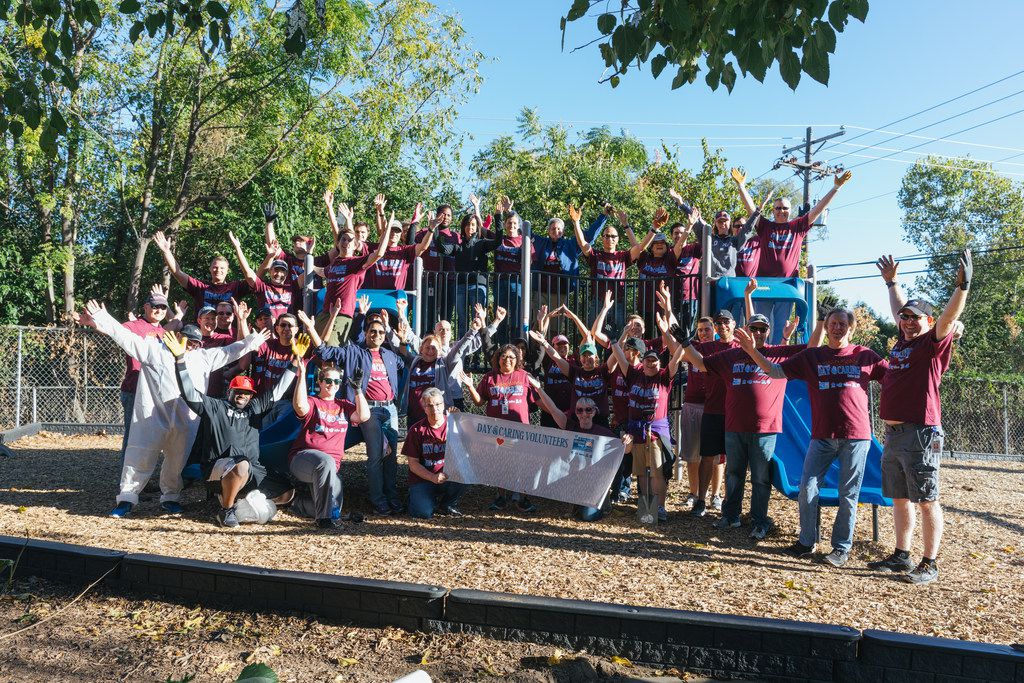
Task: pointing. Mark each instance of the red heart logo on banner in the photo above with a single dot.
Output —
(500, 440)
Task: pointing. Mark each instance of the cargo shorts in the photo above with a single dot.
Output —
(910, 462)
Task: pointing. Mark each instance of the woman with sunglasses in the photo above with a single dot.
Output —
(505, 393)
(470, 260)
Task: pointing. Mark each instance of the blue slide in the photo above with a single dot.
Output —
(791, 447)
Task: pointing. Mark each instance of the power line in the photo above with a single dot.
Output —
(716, 124)
(945, 156)
(861, 201)
(963, 169)
(924, 255)
(916, 272)
(926, 137)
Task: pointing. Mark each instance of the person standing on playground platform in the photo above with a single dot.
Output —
(837, 377)
(912, 413)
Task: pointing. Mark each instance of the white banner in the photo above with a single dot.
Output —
(549, 463)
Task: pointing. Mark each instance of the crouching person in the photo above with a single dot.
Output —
(429, 488)
(230, 429)
(316, 454)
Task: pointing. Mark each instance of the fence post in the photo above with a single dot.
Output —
(417, 283)
(308, 293)
(812, 280)
(1006, 422)
(85, 378)
(524, 324)
(705, 273)
(17, 383)
(35, 413)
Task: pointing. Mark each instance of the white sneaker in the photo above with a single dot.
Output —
(716, 502)
(690, 501)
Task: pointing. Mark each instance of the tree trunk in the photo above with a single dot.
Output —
(131, 300)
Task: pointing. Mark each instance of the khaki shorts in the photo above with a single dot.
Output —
(689, 431)
(647, 454)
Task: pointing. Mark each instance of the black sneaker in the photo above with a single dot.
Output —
(923, 574)
(396, 508)
(326, 524)
(700, 508)
(836, 558)
(382, 511)
(800, 550)
(453, 511)
(226, 517)
(524, 505)
(500, 503)
(893, 563)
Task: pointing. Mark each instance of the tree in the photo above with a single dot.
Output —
(798, 34)
(949, 204)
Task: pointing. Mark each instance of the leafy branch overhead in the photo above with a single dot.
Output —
(726, 35)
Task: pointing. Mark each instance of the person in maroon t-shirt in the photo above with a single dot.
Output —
(439, 300)
(508, 263)
(268, 363)
(689, 419)
(301, 244)
(392, 269)
(153, 313)
(655, 266)
(912, 413)
(506, 394)
(279, 292)
(587, 378)
(203, 293)
(686, 276)
(206, 320)
(316, 454)
(424, 447)
(749, 256)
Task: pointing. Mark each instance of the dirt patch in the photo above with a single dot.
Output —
(105, 637)
(60, 488)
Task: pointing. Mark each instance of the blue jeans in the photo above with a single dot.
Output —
(381, 470)
(743, 449)
(821, 453)
(127, 404)
(466, 296)
(425, 497)
(510, 297)
(587, 514)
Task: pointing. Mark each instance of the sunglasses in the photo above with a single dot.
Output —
(760, 329)
(158, 307)
(375, 330)
(585, 411)
(331, 380)
(344, 238)
(780, 208)
(224, 313)
(611, 237)
(909, 316)
(722, 322)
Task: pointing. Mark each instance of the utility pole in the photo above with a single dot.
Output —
(808, 168)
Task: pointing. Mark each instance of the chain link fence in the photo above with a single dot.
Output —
(73, 375)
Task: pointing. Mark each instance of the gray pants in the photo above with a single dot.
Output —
(324, 493)
(128, 405)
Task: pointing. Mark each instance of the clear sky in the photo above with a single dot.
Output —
(908, 56)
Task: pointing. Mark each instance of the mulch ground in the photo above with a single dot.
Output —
(61, 488)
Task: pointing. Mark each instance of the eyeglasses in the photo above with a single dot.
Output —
(780, 208)
(286, 325)
(611, 237)
(375, 330)
(909, 316)
(158, 307)
(585, 411)
(722, 322)
(509, 358)
(344, 238)
(331, 380)
(221, 314)
(759, 329)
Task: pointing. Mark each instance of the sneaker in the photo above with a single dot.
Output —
(800, 550)
(836, 558)
(226, 517)
(524, 505)
(923, 574)
(716, 502)
(726, 523)
(760, 531)
(355, 517)
(500, 503)
(122, 510)
(171, 507)
(327, 524)
(335, 513)
(396, 508)
(700, 508)
(662, 514)
(893, 563)
(690, 501)
(381, 511)
(453, 511)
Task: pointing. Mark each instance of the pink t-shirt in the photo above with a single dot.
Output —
(687, 272)
(753, 400)
(280, 298)
(780, 246)
(324, 428)
(609, 265)
(132, 367)
(749, 257)
(647, 396)
(592, 384)
(378, 388)
(344, 277)
(392, 269)
(837, 384)
(910, 388)
(507, 396)
(204, 293)
(426, 444)
(714, 386)
(508, 257)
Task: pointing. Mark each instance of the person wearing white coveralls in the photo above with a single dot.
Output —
(161, 421)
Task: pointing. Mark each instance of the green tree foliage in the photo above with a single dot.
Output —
(949, 204)
(726, 35)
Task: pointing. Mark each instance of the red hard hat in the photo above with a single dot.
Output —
(242, 383)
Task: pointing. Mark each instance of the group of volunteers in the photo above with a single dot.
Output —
(200, 386)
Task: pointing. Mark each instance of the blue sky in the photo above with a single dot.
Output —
(908, 56)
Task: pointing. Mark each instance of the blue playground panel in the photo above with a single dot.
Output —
(276, 440)
(728, 294)
(379, 298)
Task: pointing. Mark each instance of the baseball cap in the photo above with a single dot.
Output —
(206, 308)
(157, 300)
(242, 383)
(279, 263)
(395, 225)
(636, 344)
(589, 347)
(660, 237)
(192, 333)
(919, 307)
(758, 318)
(651, 354)
(720, 214)
(724, 314)
(560, 339)
(266, 310)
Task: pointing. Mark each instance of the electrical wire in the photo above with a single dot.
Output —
(916, 272)
(927, 137)
(924, 255)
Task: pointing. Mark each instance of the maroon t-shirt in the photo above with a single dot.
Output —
(426, 444)
(609, 265)
(269, 362)
(324, 428)
(422, 376)
(714, 386)
(432, 256)
(620, 395)
(749, 257)
(378, 388)
(910, 388)
(687, 272)
(592, 384)
(647, 395)
(508, 257)
(217, 385)
(753, 400)
(204, 293)
(653, 269)
(392, 269)
(780, 246)
(508, 397)
(696, 389)
(132, 367)
(280, 298)
(297, 264)
(556, 383)
(573, 425)
(837, 385)
(344, 277)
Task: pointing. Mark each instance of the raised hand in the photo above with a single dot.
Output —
(608, 299)
(83, 318)
(300, 344)
(542, 315)
(661, 322)
(751, 286)
(841, 180)
(132, 316)
(826, 304)
(417, 212)
(574, 213)
(266, 333)
(346, 212)
(476, 324)
(682, 336)
(693, 216)
(364, 303)
(304, 319)
(92, 307)
(161, 241)
(475, 201)
(180, 308)
(660, 217)
(966, 271)
(479, 312)
(273, 247)
(329, 199)
(499, 314)
(402, 305)
(738, 175)
(674, 194)
(790, 327)
(270, 212)
(158, 290)
(536, 336)
(767, 198)
(608, 209)
(744, 338)
(355, 380)
(234, 240)
(887, 266)
(240, 308)
(622, 218)
(379, 202)
(175, 345)
(335, 308)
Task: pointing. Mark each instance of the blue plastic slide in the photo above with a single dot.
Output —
(276, 440)
(791, 447)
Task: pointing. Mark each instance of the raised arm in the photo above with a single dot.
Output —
(675, 359)
(95, 315)
(329, 203)
(748, 298)
(887, 267)
(186, 388)
(424, 244)
(379, 202)
(250, 276)
(945, 324)
(310, 327)
(580, 325)
(378, 254)
(269, 217)
(581, 240)
(596, 226)
(740, 178)
(620, 357)
(640, 247)
(816, 210)
(164, 245)
(548, 404)
(553, 354)
(597, 327)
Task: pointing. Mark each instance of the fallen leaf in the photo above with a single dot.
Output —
(1009, 549)
(424, 658)
(224, 667)
(21, 509)
(347, 661)
(556, 658)
(622, 661)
